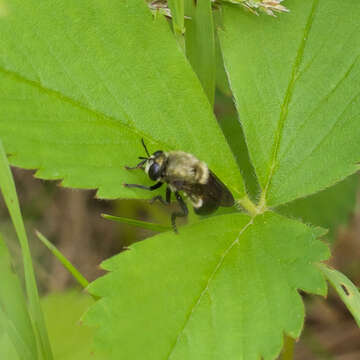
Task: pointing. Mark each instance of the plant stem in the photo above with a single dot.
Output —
(249, 206)
(288, 350)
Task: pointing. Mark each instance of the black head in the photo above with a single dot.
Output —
(154, 164)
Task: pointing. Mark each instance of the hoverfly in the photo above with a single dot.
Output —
(183, 172)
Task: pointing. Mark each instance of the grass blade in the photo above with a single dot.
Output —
(347, 291)
(139, 223)
(67, 264)
(14, 315)
(177, 12)
(22, 349)
(8, 190)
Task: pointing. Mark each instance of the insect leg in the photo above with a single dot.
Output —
(160, 198)
(168, 195)
(138, 166)
(184, 212)
(150, 188)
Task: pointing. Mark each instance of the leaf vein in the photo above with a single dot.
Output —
(327, 134)
(66, 99)
(98, 74)
(288, 96)
(206, 287)
(321, 102)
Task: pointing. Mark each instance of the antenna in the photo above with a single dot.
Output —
(147, 152)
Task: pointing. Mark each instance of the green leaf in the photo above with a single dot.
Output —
(8, 190)
(7, 349)
(143, 224)
(70, 338)
(348, 292)
(14, 316)
(228, 294)
(233, 131)
(222, 82)
(83, 81)
(200, 43)
(296, 81)
(329, 208)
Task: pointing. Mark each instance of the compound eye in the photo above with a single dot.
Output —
(154, 171)
(157, 153)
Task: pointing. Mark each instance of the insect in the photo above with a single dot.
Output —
(183, 172)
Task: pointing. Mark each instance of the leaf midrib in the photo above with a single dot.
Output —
(206, 287)
(288, 96)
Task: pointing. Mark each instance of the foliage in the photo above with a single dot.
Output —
(17, 335)
(83, 82)
(69, 337)
(38, 327)
(348, 292)
(295, 83)
(199, 296)
(329, 208)
(66, 263)
(100, 89)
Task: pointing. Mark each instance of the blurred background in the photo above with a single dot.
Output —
(71, 220)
